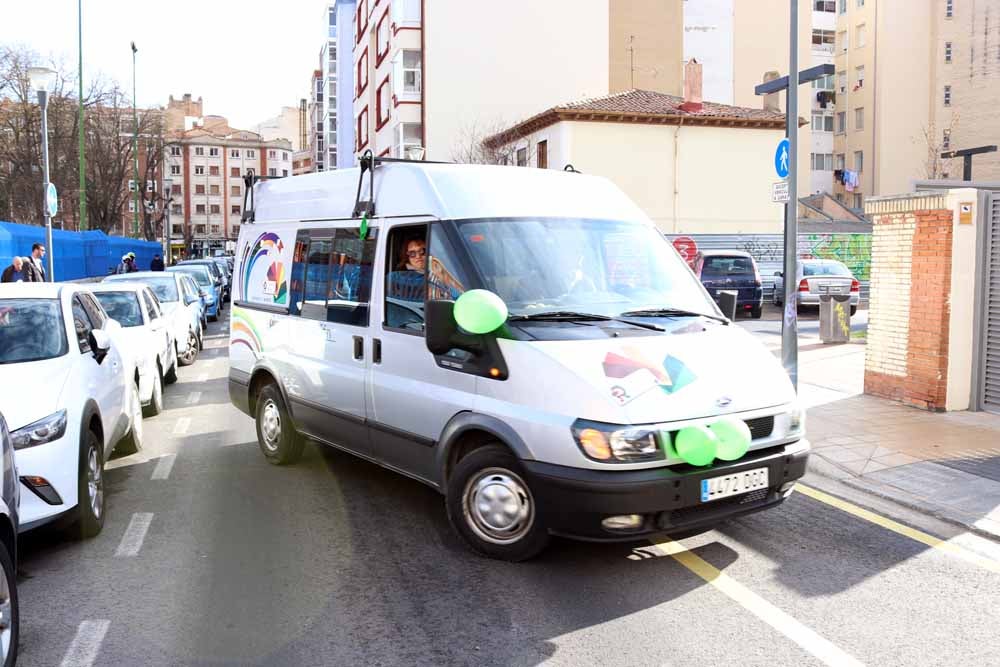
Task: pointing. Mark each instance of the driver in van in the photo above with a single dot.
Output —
(414, 256)
(407, 281)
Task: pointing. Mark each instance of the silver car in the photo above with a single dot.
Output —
(816, 277)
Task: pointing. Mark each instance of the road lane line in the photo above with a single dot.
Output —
(194, 397)
(182, 426)
(164, 466)
(82, 652)
(134, 535)
(896, 527)
(811, 642)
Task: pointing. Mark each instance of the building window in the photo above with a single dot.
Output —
(176, 209)
(131, 206)
(406, 69)
(215, 209)
(839, 161)
(362, 73)
(234, 191)
(947, 96)
(271, 155)
(841, 122)
(176, 189)
(213, 152)
(361, 20)
(383, 102)
(200, 209)
(949, 8)
(822, 161)
(823, 83)
(382, 38)
(408, 138)
(859, 36)
(842, 82)
(842, 39)
(200, 229)
(859, 77)
(177, 229)
(946, 140)
(823, 40)
(405, 11)
(213, 171)
(251, 154)
(825, 6)
(362, 129)
(175, 170)
(861, 3)
(198, 150)
(234, 172)
(822, 121)
(859, 161)
(542, 155)
(859, 118)
(522, 157)
(859, 200)
(947, 52)
(199, 170)
(234, 231)
(235, 152)
(235, 210)
(284, 173)
(131, 185)
(284, 155)
(175, 151)
(842, 7)
(199, 189)
(271, 171)
(213, 190)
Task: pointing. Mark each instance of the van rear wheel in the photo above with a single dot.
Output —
(491, 506)
(276, 434)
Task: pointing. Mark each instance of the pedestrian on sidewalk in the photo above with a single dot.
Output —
(34, 270)
(157, 263)
(13, 273)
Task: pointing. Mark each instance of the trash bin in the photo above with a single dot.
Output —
(726, 298)
(835, 318)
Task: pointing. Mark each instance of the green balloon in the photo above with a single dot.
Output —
(734, 438)
(480, 311)
(696, 445)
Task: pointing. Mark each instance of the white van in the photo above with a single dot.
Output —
(522, 340)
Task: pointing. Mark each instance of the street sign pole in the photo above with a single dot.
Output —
(43, 102)
(789, 321)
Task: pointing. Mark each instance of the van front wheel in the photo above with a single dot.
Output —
(491, 506)
(278, 439)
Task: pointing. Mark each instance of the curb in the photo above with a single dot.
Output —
(830, 470)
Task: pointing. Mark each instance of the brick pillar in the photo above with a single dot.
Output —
(907, 354)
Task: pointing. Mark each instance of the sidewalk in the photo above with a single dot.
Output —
(944, 464)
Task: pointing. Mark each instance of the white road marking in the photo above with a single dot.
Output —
(182, 426)
(825, 651)
(82, 652)
(164, 466)
(194, 397)
(134, 535)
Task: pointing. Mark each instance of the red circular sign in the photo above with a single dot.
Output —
(686, 247)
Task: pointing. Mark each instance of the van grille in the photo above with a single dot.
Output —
(761, 427)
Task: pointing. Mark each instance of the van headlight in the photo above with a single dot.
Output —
(610, 444)
(796, 420)
(44, 430)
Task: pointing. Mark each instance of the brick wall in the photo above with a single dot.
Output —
(907, 354)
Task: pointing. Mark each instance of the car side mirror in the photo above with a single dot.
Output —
(188, 300)
(778, 273)
(100, 343)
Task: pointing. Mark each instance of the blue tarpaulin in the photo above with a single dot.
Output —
(75, 254)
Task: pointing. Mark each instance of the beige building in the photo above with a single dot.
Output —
(290, 124)
(645, 49)
(692, 167)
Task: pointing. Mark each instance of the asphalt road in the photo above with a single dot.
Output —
(808, 321)
(211, 556)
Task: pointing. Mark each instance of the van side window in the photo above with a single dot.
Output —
(332, 276)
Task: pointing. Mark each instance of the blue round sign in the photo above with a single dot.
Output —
(782, 156)
(51, 200)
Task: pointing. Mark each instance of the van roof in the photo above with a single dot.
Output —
(445, 191)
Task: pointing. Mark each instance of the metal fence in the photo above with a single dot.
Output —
(854, 250)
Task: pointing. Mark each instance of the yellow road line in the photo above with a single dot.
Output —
(896, 527)
(805, 637)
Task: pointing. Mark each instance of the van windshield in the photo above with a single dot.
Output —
(603, 267)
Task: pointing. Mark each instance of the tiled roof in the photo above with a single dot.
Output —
(644, 106)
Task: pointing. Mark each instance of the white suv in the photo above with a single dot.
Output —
(70, 397)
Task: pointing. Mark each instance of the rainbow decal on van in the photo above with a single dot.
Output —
(243, 332)
(265, 244)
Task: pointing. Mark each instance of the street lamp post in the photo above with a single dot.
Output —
(168, 184)
(41, 79)
(135, 151)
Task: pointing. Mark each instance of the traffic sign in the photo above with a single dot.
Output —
(51, 200)
(781, 158)
(779, 192)
(686, 248)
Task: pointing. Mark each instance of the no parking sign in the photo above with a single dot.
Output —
(686, 248)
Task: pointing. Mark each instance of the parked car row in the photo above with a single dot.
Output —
(82, 365)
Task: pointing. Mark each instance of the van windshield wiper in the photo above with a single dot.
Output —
(672, 312)
(573, 316)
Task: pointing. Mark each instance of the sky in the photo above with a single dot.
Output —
(245, 58)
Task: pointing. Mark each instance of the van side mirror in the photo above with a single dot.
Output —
(441, 332)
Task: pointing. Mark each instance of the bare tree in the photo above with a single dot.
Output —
(933, 138)
(488, 143)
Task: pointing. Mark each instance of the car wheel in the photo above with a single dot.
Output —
(191, 353)
(90, 504)
(155, 406)
(756, 312)
(276, 434)
(171, 375)
(10, 617)
(132, 442)
(491, 506)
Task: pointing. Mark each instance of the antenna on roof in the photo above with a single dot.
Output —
(365, 208)
(248, 181)
(571, 168)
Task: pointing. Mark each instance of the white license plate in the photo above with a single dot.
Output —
(733, 485)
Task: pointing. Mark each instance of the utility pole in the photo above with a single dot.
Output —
(631, 61)
(135, 151)
(80, 118)
(789, 322)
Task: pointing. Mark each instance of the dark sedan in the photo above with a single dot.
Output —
(731, 270)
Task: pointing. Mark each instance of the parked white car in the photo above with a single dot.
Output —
(178, 298)
(146, 333)
(816, 277)
(71, 395)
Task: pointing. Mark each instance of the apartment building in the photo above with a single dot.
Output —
(822, 96)
(331, 133)
(290, 124)
(206, 165)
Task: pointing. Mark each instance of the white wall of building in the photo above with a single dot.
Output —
(708, 37)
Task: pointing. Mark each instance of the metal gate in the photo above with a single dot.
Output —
(989, 387)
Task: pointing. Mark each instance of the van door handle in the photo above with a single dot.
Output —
(376, 351)
(359, 347)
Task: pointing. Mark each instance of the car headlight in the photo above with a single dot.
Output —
(44, 430)
(611, 444)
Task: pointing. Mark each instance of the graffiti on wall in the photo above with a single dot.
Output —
(854, 250)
